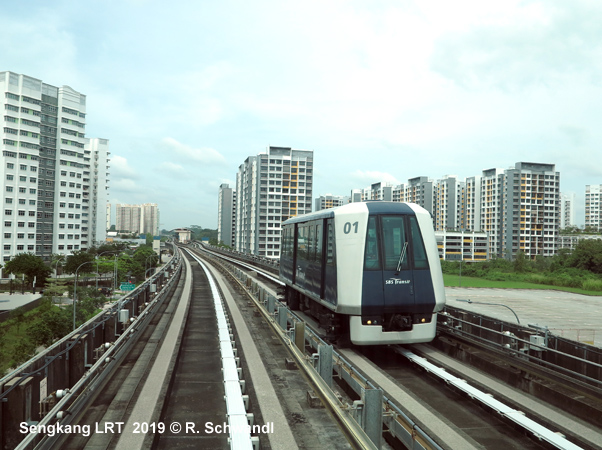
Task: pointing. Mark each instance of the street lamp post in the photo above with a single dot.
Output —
(115, 274)
(75, 290)
(97, 257)
(493, 304)
(151, 264)
(56, 266)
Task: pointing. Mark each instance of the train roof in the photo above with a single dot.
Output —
(373, 207)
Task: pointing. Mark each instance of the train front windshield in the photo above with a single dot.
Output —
(395, 244)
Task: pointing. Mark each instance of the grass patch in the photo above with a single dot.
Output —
(453, 281)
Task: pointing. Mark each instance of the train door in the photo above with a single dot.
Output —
(397, 274)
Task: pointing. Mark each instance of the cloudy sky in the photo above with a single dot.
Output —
(379, 90)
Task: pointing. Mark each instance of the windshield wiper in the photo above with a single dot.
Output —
(401, 257)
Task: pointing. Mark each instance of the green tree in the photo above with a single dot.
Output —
(77, 259)
(23, 351)
(18, 315)
(520, 263)
(30, 265)
(39, 333)
(199, 233)
(587, 255)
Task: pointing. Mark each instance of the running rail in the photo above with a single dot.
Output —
(280, 317)
(72, 401)
(236, 406)
(518, 417)
(399, 423)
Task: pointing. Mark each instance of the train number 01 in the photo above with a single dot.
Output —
(347, 227)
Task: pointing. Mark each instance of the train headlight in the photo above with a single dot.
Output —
(371, 321)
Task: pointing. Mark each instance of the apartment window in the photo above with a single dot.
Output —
(6, 246)
(7, 235)
(8, 212)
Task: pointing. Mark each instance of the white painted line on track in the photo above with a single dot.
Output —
(268, 400)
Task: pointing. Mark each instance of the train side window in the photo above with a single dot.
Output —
(371, 258)
(330, 248)
(311, 243)
(302, 243)
(287, 239)
(395, 242)
(420, 259)
(319, 241)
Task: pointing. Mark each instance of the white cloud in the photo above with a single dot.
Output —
(381, 91)
(187, 154)
(120, 168)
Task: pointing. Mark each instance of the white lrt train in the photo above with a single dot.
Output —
(368, 269)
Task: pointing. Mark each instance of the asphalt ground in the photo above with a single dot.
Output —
(574, 316)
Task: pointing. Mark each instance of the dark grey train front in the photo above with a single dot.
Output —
(369, 269)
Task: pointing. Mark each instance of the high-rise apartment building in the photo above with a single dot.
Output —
(381, 191)
(45, 169)
(492, 207)
(226, 215)
(593, 203)
(532, 209)
(399, 193)
(518, 208)
(567, 210)
(472, 204)
(149, 219)
(421, 190)
(138, 219)
(95, 198)
(449, 204)
(271, 187)
(127, 218)
(330, 201)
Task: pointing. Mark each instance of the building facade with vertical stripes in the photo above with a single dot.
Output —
(46, 170)
(271, 187)
(517, 209)
(226, 215)
(593, 205)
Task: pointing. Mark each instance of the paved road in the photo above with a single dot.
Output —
(574, 316)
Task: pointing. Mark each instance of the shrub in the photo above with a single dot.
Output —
(592, 285)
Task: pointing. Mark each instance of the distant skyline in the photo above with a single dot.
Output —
(385, 90)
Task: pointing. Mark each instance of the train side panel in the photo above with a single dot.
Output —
(430, 243)
(350, 229)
